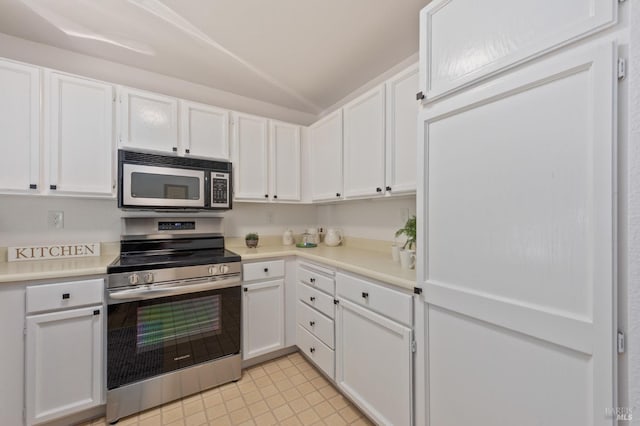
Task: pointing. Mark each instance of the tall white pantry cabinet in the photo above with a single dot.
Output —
(518, 258)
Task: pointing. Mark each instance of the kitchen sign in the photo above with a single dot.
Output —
(56, 251)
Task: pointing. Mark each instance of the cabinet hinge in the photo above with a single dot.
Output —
(336, 301)
(622, 68)
(417, 290)
(620, 342)
(413, 346)
(419, 96)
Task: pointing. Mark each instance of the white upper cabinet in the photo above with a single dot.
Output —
(285, 161)
(364, 149)
(148, 120)
(402, 129)
(19, 127)
(326, 158)
(251, 157)
(463, 41)
(79, 135)
(204, 131)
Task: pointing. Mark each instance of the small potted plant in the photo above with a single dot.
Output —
(409, 230)
(251, 239)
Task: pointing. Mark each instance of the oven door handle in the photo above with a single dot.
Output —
(172, 289)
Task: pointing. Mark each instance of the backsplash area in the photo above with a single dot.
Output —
(25, 219)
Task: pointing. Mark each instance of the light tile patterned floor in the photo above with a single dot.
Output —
(284, 391)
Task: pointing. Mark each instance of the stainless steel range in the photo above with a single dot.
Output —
(173, 313)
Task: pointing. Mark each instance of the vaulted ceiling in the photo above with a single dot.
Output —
(301, 54)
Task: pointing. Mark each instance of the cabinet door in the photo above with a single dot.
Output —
(374, 363)
(251, 158)
(285, 161)
(80, 135)
(19, 126)
(402, 132)
(204, 131)
(148, 120)
(262, 318)
(64, 364)
(364, 145)
(326, 158)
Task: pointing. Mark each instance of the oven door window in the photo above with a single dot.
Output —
(162, 186)
(151, 337)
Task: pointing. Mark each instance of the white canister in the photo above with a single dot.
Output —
(408, 259)
(395, 253)
(287, 238)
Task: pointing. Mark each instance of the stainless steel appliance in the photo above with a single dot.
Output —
(174, 313)
(161, 182)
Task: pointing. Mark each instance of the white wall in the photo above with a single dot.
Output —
(268, 219)
(376, 219)
(64, 60)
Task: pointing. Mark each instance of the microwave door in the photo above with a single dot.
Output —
(151, 186)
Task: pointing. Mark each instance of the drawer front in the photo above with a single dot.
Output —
(262, 270)
(319, 300)
(47, 297)
(318, 352)
(316, 323)
(316, 280)
(393, 304)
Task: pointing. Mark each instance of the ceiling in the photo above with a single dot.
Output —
(301, 54)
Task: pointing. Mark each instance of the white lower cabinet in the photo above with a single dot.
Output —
(263, 310)
(374, 359)
(64, 351)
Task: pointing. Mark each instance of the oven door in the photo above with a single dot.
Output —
(150, 336)
(154, 186)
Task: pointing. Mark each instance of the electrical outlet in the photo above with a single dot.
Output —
(55, 219)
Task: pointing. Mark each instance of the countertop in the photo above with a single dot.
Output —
(369, 263)
(373, 264)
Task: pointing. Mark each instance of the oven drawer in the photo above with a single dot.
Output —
(317, 299)
(316, 323)
(391, 303)
(48, 297)
(262, 270)
(316, 279)
(317, 351)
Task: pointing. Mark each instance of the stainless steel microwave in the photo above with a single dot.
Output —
(160, 182)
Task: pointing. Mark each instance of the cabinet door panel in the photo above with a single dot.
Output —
(148, 120)
(80, 135)
(374, 363)
(262, 318)
(251, 159)
(64, 365)
(402, 131)
(326, 158)
(205, 131)
(19, 126)
(364, 145)
(285, 161)
(464, 41)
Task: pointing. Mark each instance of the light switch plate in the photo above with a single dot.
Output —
(55, 219)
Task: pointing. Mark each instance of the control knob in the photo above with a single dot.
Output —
(148, 277)
(224, 269)
(134, 279)
(213, 270)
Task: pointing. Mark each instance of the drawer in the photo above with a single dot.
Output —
(391, 303)
(319, 300)
(318, 352)
(316, 323)
(316, 280)
(47, 297)
(262, 270)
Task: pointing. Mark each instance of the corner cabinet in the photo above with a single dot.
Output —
(262, 308)
(326, 158)
(374, 349)
(364, 145)
(147, 120)
(64, 366)
(79, 117)
(204, 131)
(19, 127)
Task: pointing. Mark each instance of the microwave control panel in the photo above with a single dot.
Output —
(219, 190)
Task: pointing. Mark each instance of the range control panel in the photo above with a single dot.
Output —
(176, 226)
